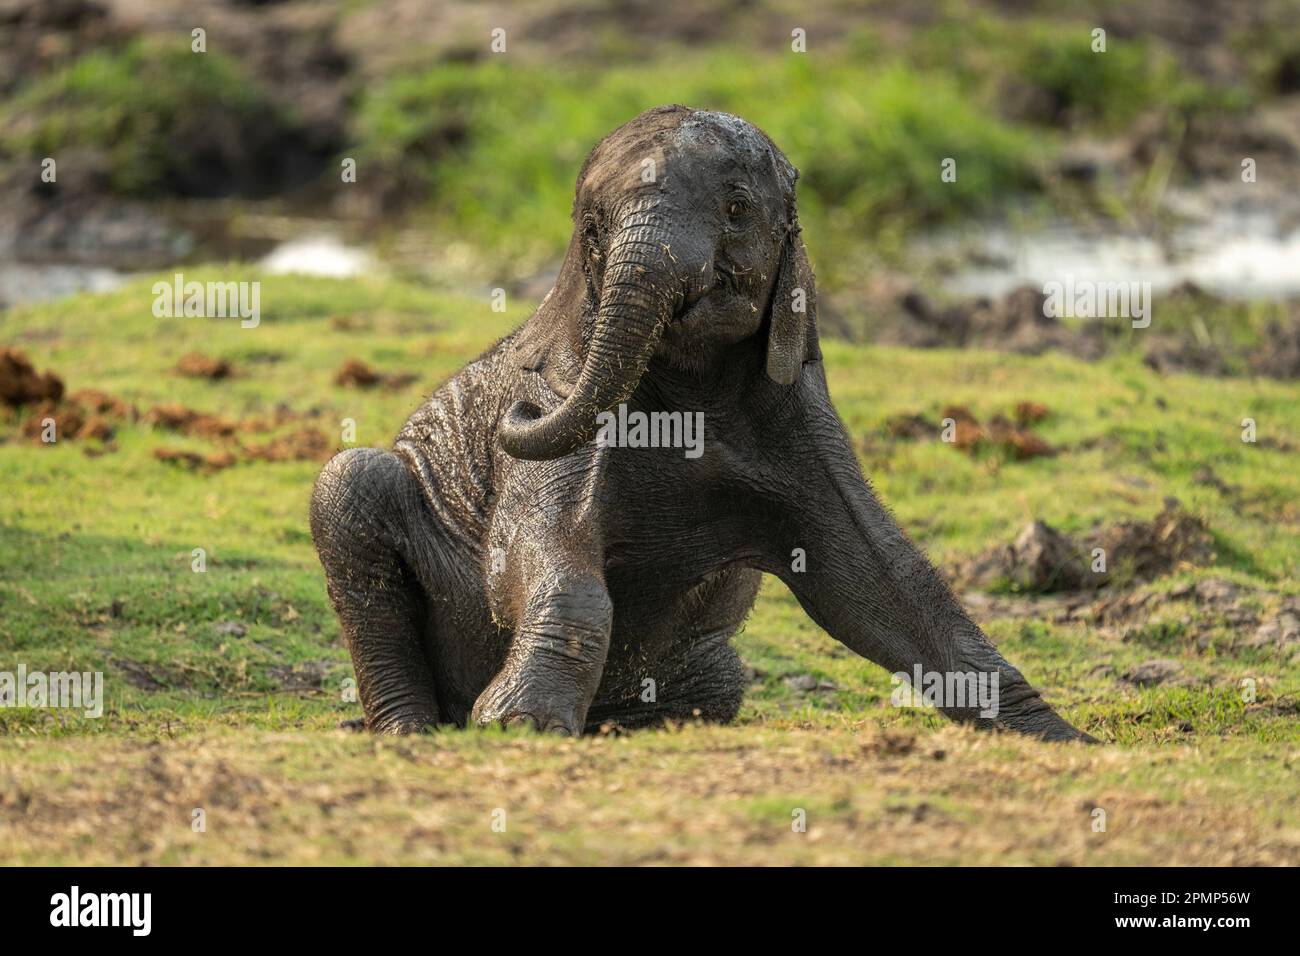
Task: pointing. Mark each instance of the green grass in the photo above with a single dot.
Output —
(869, 151)
(95, 574)
(1102, 90)
(143, 105)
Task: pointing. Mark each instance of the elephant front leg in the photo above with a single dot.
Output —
(873, 590)
(555, 662)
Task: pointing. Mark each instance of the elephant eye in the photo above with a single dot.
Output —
(735, 208)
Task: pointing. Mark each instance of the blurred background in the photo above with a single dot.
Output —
(1124, 164)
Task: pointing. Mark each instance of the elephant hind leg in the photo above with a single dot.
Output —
(369, 522)
(707, 682)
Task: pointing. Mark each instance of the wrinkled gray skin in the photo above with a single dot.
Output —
(617, 564)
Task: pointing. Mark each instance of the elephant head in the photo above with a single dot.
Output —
(685, 241)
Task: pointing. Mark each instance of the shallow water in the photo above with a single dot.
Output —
(319, 254)
(37, 282)
(314, 254)
(1246, 252)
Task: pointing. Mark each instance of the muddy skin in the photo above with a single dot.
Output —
(500, 566)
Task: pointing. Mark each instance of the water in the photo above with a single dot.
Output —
(37, 282)
(1244, 252)
(313, 254)
(320, 254)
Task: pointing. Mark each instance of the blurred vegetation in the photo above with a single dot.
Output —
(146, 106)
(868, 126)
(497, 152)
(486, 148)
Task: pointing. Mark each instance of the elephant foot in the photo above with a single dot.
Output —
(508, 705)
(402, 726)
(1041, 721)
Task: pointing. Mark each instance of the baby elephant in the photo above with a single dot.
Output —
(571, 529)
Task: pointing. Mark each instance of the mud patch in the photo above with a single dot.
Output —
(355, 373)
(1043, 559)
(87, 414)
(21, 384)
(970, 435)
(302, 444)
(898, 313)
(1013, 323)
(187, 421)
(206, 462)
(1212, 612)
(305, 444)
(198, 365)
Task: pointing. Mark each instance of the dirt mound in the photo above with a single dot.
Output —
(355, 373)
(1030, 413)
(68, 420)
(187, 421)
(198, 365)
(87, 413)
(969, 434)
(1043, 559)
(1152, 548)
(1039, 559)
(1001, 433)
(210, 462)
(20, 384)
(305, 444)
(959, 427)
(101, 403)
(1279, 354)
(1017, 322)
(1279, 631)
(909, 426)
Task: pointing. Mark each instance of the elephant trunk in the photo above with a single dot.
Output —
(639, 295)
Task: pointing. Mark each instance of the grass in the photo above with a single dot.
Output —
(869, 152)
(137, 104)
(96, 551)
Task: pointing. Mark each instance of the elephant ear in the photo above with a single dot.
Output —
(792, 334)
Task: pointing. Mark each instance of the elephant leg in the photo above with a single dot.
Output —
(699, 675)
(370, 525)
(873, 590)
(706, 682)
(555, 661)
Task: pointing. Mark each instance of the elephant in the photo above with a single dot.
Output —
(526, 555)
